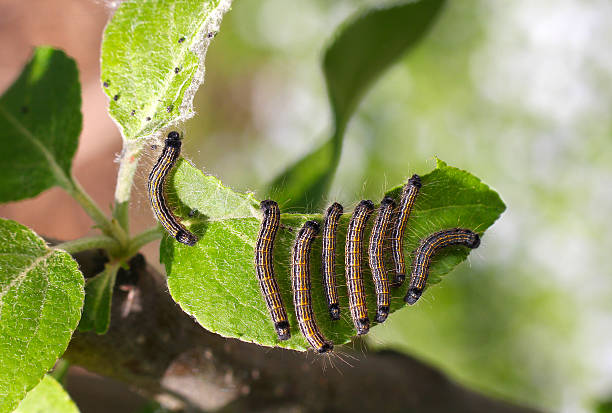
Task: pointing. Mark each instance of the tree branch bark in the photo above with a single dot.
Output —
(154, 347)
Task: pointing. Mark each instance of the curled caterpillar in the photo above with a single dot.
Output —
(157, 196)
(426, 250)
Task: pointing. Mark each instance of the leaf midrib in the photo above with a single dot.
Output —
(167, 81)
(22, 275)
(56, 170)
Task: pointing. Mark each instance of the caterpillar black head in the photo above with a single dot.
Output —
(314, 225)
(398, 280)
(382, 313)
(173, 139)
(186, 238)
(362, 325)
(267, 205)
(387, 201)
(282, 330)
(413, 295)
(367, 204)
(334, 312)
(415, 180)
(325, 348)
(474, 241)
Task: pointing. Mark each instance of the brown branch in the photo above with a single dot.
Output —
(157, 349)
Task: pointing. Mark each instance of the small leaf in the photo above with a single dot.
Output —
(98, 300)
(41, 295)
(152, 57)
(368, 45)
(363, 49)
(152, 66)
(215, 281)
(47, 397)
(306, 182)
(40, 122)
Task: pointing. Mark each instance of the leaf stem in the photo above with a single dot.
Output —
(127, 169)
(121, 214)
(108, 227)
(89, 243)
(145, 237)
(60, 370)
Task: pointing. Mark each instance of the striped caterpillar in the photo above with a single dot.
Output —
(157, 195)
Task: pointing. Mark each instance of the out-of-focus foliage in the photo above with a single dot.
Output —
(520, 94)
(364, 48)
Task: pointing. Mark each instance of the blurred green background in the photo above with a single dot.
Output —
(518, 93)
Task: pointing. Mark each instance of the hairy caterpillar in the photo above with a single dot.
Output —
(156, 187)
(264, 268)
(352, 266)
(300, 281)
(425, 251)
(409, 194)
(328, 258)
(376, 258)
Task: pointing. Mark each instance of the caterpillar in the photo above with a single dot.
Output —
(328, 258)
(300, 281)
(352, 266)
(409, 194)
(264, 268)
(376, 258)
(425, 251)
(156, 187)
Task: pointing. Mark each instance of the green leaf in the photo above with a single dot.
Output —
(41, 295)
(40, 122)
(603, 407)
(364, 47)
(48, 397)
(98, 300)
(152, 65)
(215, 281)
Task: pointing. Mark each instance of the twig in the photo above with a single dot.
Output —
(154, 346)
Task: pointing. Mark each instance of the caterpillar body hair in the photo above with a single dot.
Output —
(352, 266)
(264, 268)
(328, 258)
(409, 194)
(300, 281)
(376, 258)
(157, 196)
(427, 249)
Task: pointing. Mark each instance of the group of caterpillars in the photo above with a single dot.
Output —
(391, 218)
